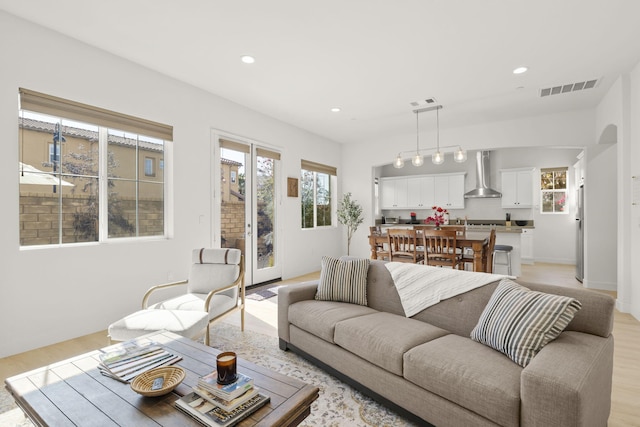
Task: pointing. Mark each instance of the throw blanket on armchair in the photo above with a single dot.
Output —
(421, 286)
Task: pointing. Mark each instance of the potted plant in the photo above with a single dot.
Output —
(350, 215)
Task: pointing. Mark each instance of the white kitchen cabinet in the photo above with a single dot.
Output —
(394, 193)
(449, 191)
(420, 193)
(423, 191)
(517, 188)
(526, 246)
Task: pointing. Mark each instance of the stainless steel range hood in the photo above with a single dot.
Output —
(483, 182)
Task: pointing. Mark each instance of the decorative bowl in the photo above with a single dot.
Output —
(521, 223)
(171, 377)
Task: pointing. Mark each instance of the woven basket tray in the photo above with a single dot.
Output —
(172, 375)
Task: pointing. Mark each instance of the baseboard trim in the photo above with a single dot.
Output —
(284, 345)
(604, 286)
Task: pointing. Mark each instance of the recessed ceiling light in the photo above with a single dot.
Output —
(520, 70)
(248, 59)
(336, 109)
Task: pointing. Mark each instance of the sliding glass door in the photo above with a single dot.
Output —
(247, 205)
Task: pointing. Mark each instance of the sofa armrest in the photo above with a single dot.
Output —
(569, 382)
(288, 295)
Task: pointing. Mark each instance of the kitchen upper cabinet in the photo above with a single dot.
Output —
(423, 192)
(517, 188)
(449, 191)
(420, 193)
(394, 193)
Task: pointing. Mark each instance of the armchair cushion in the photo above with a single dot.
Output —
(213, 269)
(216, 256)
(220, 303)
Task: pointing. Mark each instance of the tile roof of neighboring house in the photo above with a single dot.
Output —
(230, 162)
(87, 134)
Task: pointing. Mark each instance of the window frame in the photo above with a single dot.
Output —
(554, 190)
(317, 169)
(106, 121)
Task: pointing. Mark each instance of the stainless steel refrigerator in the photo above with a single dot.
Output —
(580, 233)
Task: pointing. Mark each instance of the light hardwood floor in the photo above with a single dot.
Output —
(261, 316)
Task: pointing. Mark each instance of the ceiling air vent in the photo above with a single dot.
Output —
(571, 87)
(423, 102)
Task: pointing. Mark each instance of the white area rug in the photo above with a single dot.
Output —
(338, 405)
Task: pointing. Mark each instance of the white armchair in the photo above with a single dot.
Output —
(215, 285)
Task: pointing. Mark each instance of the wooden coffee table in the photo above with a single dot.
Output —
(74, 393)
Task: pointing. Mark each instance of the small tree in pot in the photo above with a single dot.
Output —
(350, 215)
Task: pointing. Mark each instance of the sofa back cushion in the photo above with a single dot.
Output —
(461, 313)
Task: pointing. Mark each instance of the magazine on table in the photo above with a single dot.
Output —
(132, 359)
(127, 351)
(210, 415)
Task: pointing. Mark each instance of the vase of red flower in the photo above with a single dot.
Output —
(438, 217)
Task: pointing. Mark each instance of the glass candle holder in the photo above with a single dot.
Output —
(226, 367)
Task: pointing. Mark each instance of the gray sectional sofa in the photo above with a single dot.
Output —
(427, 368)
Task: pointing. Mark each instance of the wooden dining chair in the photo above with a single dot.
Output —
(440, 248)
(460, 229)
(488, 266)
(403, 245)
(381, 249)
(467, 257)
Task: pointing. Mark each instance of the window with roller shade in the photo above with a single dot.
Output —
(88, 174)
(317, 187)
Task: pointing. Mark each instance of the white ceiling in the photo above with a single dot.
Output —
(369, 57)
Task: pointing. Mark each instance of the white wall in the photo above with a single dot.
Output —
(616, 119)
(630, 281)
(50, 295)
(601, 218)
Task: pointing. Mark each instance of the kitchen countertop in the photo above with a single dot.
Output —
(471, 227)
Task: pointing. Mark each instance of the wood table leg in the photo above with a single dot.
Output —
(478, 256)
(374, 247)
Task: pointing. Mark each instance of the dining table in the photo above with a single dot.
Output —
(476, 240)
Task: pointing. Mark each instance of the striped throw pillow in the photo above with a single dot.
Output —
(519, 322)
(343, 280)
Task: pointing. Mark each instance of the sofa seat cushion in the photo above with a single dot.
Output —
(470, 374)
(320, 317)
(383, 338)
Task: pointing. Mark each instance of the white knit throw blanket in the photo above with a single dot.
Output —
(421, 286)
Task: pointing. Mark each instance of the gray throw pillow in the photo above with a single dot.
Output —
(519, 322)
(343, 280)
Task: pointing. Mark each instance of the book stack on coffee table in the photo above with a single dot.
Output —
(214, 404)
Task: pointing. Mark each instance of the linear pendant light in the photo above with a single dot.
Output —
(417, 160)
(437, 157)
